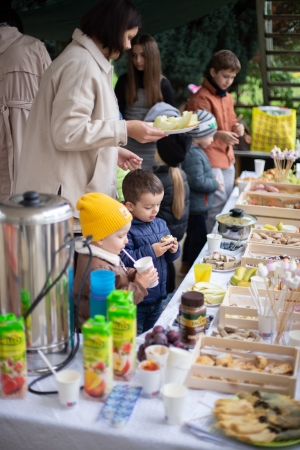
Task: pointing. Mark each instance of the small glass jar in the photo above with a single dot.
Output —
(191, 318)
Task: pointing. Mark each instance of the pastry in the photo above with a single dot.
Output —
(261, 362)
(205, 360)
(282, 369)
(224, 359)
(167, 238)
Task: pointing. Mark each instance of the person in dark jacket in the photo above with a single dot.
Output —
(202, 184)
(174, 209)
(143, 193)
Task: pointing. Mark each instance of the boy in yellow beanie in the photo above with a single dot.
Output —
(108, 221)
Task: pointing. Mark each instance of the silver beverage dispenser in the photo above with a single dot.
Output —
(34, 231)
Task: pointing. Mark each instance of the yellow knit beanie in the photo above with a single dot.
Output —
(101, 215)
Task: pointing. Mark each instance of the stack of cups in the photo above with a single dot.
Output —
(178, 365)
(102, 282)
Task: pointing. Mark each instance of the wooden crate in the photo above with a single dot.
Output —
(255, 253)
(272, 233)
(275, 221)
(241, 379)
(268, 211)
(284, 188)
(245, 310)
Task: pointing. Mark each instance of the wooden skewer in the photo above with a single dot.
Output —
(239, 117)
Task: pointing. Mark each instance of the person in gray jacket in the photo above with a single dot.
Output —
(202, 184)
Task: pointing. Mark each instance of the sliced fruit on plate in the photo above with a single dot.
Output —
(188, 119)
(213, 294)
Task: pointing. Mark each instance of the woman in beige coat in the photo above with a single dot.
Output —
(23, 59)
(73, 137)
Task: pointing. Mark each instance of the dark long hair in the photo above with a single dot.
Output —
(152, 72)
(10, 16)
(108, 21)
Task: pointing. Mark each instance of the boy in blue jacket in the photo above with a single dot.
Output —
(143, 193)
(202, 184)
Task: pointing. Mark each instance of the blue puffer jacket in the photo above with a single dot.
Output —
(141, 236)
(201, 180)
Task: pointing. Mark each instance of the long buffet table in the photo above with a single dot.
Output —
(38, 422)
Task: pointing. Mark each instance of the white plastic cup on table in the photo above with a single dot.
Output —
(68, 386)
(266, 326)
(258, 281)
(150, 377)
(174, 397)
(143, 264)
(294, 338)
(259, 165)
(213, 242)
(160, 354)
(178, 365)
(241, 185)
(290, 228)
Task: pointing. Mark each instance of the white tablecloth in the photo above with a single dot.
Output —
(39, 423)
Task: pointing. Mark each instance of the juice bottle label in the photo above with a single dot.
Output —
(124, 336)
(13, 357)
(97, 355)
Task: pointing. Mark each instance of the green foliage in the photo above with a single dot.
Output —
(187, 50)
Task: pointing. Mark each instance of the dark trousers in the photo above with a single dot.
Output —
(171, 274)
(195, 238)
(147, 315)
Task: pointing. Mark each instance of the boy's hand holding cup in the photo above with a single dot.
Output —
(147, 277)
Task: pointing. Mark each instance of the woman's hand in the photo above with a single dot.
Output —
(229, 137)
(239, 129)
(143, 132)
(146, 278)
(128, 160)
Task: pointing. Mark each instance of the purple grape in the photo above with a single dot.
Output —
(148, 343)
(172, 336)
(160, 339)
(148, 336)
(178, 344)
(158, 329)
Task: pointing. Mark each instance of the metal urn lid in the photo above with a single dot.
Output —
(32, 208)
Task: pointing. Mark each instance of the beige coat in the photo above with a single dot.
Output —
(23, 59)
(73, 129)
(125, 277)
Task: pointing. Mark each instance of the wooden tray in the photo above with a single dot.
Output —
(241, 379)
(284, 188)
(245, 311)
(275, 221)
(269, 211)
(254, 252)
(272, 233)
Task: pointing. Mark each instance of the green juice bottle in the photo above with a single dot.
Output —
(119, 294)
(123, 318)
(97, 358)
(13, 357)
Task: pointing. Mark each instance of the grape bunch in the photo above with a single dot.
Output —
(230, 246)
(160, 336)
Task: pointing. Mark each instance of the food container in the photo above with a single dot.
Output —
(235, 225)
(277, 205)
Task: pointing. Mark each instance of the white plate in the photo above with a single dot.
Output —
(225, 270)
(214, 305)
(181, 130)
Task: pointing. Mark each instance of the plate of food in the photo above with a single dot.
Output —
(213, 294)
(263, 419)
(221, 262)
(176, 125)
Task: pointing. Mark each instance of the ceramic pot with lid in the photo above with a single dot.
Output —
(34, 229)
(235, 225)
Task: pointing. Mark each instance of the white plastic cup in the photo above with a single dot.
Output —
(290, 228)
(178, 365)
(241, 185)
(258, 281)
(143, 264)
(174, 397)
(294, 338)
(68, 386)
(266, 326)
(214, 242)
(259, 165)
(160, 354)
(150, 379)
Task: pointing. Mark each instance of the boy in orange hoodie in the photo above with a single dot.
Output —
(213, 97)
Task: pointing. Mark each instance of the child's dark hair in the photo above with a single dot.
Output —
(139, 182)
(225, 60)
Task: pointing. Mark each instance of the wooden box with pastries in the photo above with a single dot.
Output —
(250, 366)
